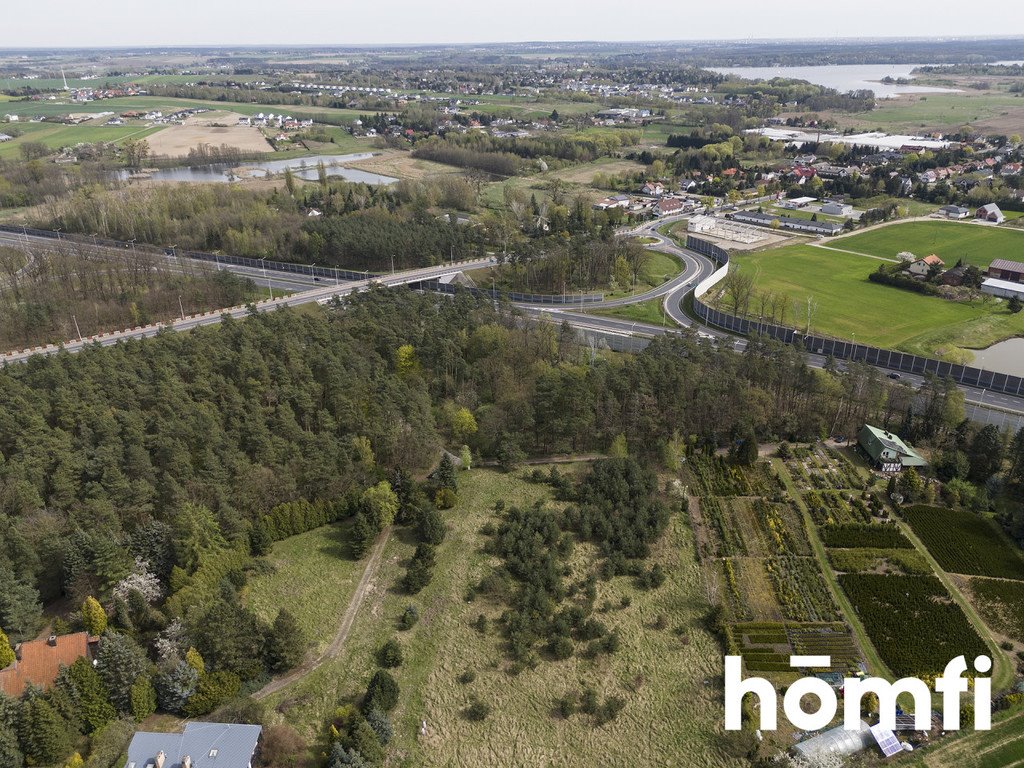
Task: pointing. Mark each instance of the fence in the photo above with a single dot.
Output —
(838, 348)
(240, 261)
(524, 298)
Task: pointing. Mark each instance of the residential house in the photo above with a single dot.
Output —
(1010, 169)
(617, 201)
(1004, 269)
(954, 212)
(887, 451)
(200, 745)
(926, 266)
(653, 188)
(667, 205)
(37, 662)
(990, 213)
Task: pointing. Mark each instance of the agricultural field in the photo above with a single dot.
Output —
(995, 112)
(906, 562)
(836, 508)
(767, 646)
(963, 542)
(897, 611)
(584, 173)
(846, 304)
(56, 136)
(949, 240)
(177, 140)
(852, 536)
(659, 672)
(820, 466)
(1001, 605)
(715, 476)
(1000, 747)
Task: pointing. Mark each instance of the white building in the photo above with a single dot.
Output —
(1003, 288)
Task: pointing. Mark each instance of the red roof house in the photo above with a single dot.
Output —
(39, 661)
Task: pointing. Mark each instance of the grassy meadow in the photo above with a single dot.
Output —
(849, 306)
(950, 240)
(670, 710)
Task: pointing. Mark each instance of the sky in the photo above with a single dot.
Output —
(102, 23)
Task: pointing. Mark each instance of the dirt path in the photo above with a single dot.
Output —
(347, 620)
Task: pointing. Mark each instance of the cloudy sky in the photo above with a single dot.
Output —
(239, 22)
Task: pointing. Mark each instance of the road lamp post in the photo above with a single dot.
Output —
(78, 331)
(181, 308)
(270, 287)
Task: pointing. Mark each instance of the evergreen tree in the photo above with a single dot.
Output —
(382, 692)
(20, 610)
(143, 698)
(6, 652)
(120, 662)
(44, 736)
(985, 453)
(94, 618)
(285, 643)
(175, 683)
(746, 455)
(444, 476)
(89, 693)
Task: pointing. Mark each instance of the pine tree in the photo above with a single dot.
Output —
(285, 643)
(44, 735)
(94, 618)
(120, 663)
(445, 476)
(143, 698)
(89, 693)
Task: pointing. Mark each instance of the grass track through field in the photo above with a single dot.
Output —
(347, 619)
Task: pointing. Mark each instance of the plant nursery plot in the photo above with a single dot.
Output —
(831, 507)
(1001, 605)
(913, 623)
(963, 542)
(859, 535)
(872, 560)
(729, 540)
(801, 590)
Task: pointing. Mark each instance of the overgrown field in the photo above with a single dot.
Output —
(659, 671)
(313, 575)
(1001, 605)
(963, 542)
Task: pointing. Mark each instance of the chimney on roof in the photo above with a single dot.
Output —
(17, 652)
(52, 641)
(160, 757)
(186, 762)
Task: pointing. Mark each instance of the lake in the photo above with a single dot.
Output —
(1004, 357)
(303, 168)
(842, 77)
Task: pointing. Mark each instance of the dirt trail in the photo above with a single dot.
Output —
(347, 620)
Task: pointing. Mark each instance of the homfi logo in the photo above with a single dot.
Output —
(951, 684)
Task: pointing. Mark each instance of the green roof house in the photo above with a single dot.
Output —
(886, 451)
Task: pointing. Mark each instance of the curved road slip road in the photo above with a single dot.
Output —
(344, 626)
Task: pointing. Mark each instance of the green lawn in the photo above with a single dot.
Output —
(950, 240)
(314, 577)
(650, 311)
(849, 305)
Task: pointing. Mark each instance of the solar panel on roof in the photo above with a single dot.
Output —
(886, 740)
